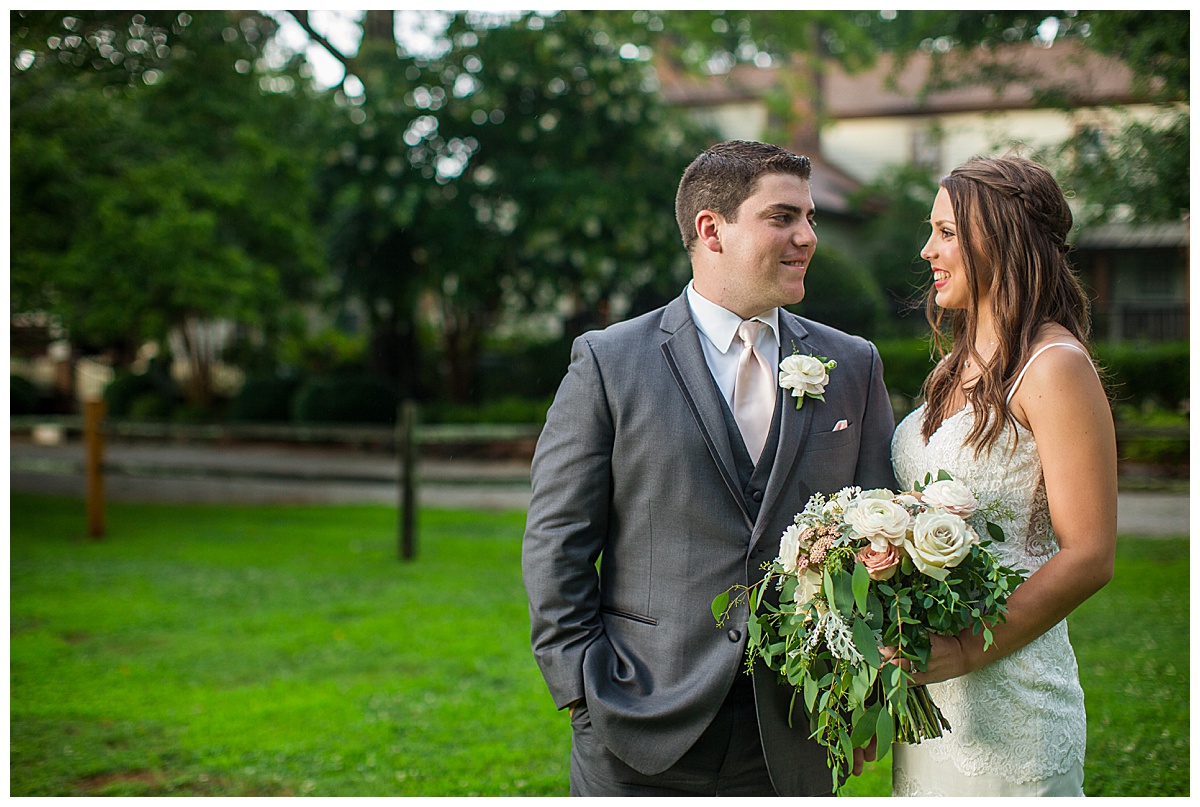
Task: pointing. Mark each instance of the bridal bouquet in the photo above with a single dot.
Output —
(867, 569)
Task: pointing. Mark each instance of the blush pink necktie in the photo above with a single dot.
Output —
(753, 392)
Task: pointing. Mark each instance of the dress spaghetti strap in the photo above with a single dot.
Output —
(1039, 352)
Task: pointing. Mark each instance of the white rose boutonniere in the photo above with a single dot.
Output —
(805, 376)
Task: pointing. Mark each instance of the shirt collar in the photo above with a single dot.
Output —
(720, 324)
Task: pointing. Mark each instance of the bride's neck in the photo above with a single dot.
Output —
(986, 336)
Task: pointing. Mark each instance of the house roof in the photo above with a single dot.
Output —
(1122, 235)
(1069, 67)
(830, 186)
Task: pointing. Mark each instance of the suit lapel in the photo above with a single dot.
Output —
(685, 358)
(794, 423)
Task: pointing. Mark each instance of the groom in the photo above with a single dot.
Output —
(672, 457)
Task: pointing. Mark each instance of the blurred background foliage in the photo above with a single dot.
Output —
(440, 224)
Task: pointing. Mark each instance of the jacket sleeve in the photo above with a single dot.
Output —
(567, 525)
(874, 468)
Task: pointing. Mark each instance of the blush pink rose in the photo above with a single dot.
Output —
(880, 565)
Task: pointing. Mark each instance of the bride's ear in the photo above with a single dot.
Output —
(708, 226)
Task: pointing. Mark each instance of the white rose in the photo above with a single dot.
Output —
(882, 521)
(939, 542)
(789, 548)
(803, 375)
(951, 496)
(808, 585)
(876, 493)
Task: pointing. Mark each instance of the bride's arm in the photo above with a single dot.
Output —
(1062, 402)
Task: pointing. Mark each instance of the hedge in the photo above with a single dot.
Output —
(149, 395)
(23, 396)
(1146, 374)
(345, 399)
(264, 399)
(1140, 375)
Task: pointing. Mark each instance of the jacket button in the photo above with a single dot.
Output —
(757, 496)
(735, 635)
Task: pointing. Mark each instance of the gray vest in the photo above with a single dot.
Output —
(753, 478)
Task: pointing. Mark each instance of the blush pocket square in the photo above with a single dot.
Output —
(841, 424)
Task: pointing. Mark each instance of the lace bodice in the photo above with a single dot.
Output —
(1020, 718)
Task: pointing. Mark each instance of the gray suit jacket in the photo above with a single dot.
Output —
(634, 469)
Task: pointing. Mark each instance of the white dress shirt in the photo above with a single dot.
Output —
(718, 328)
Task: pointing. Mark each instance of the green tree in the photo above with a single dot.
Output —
(160, 177)
(530, 163)
(892, 207)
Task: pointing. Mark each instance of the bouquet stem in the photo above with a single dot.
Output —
(923, 719)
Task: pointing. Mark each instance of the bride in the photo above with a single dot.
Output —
(1016, 411)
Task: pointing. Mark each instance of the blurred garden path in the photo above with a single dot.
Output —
(194, 472)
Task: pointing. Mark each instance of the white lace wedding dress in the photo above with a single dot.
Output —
(1017, 726)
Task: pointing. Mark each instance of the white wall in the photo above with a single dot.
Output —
(863, 147)
(746, 121)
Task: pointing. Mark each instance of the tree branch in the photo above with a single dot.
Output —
(301, 17)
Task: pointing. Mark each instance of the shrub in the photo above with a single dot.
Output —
(532, 370)
(1135, 374)
(128, 388)
(265, 398)
(190, 413)
(345, 399)
(509, 409)
(23, 396)
(148, 406)
(842, 294)
(906, 362)
(1146, 373)
(1146, 448)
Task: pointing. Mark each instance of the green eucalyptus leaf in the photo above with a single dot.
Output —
(884, 732)
(719, 605)
(866, 726)
(845, 592)
(810, 692)
(864, 641)
(862, 584)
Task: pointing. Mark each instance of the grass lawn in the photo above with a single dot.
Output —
(204, 650)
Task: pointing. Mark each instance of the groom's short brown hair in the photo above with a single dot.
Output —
(727, 174)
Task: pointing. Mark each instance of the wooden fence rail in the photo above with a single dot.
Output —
(358, 434)
(405, 437)
(343, 433)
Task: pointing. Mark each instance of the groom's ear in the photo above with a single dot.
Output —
(707, 226)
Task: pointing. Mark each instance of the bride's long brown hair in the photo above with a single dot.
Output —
(1013, 221)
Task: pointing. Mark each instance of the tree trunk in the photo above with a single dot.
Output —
(198, 343)
(462, 346)
(379, 26)
(396, 351)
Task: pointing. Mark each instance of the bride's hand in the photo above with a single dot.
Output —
(946, 660)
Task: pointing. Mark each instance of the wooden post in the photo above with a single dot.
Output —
(93, 422)
(406, 451)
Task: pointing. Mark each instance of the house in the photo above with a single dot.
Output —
(874, 119)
